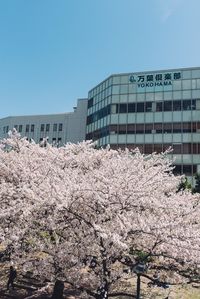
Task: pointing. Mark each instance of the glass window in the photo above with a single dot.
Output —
(130, 129)
(55, 127)
(60, 127)
(148, 149)
(139, 128)
(177, 105)
(114, 108)
(140, 107)
(32, 128)
(187, 105)
(47, 127)
(187, 169)
(27, 128)
(42, 128)
(167, 105)
(123, 108)
(122, 129)
(90, 102)
(131, 107)
(186, 127)
(167, 128)
(148, 106)
(158, 127)
(20, 128)
(113, 129)
(177, 169)
(158, 148)
(193, 106)
(148, 128)
(159, 106)
(176, 127)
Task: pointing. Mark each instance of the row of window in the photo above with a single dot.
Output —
(54, 140)
(178, 149)
(155, 128)
(56, 127)
(152, 128)
(31, 128)
(176, 105)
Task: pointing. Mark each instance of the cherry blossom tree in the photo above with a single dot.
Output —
(92, 217)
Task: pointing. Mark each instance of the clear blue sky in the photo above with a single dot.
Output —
(54, 51)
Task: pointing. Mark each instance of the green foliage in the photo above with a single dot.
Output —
(197, 184)
(185, 185)
(141, 256)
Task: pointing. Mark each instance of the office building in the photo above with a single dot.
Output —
(151, 110)
(58, 128)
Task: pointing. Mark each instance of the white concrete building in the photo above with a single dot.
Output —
(152, 111)
(59, 128)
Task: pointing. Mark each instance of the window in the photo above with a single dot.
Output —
(177, 148)
(187, 169)
(32, 128)
(16, 127)
(177, 169)
(20, 128)
(60, 127)
(148, 107)
(53, 140)
(47, 127)
(167, 128)
(123, 108)
(122, 129)
(42, 128)
(158, 127)
(177, 105)
(113, 129)
(187, 127)
(90, 102)
(139, 128)
(193, 106)
(158, 148)
(159, 106)
(167, 105)
(148, 128)
(5, 129)
(148, 149)
(55, 127)
(140, 107)
(131, 107)
(176, 127)
(187, 105)
(131, 129)
(27, 128)
(114, 108)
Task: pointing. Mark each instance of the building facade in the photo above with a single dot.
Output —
(58, 128)
(152, 111)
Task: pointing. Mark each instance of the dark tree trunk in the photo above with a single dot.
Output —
(58, 290)
(138, 287)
